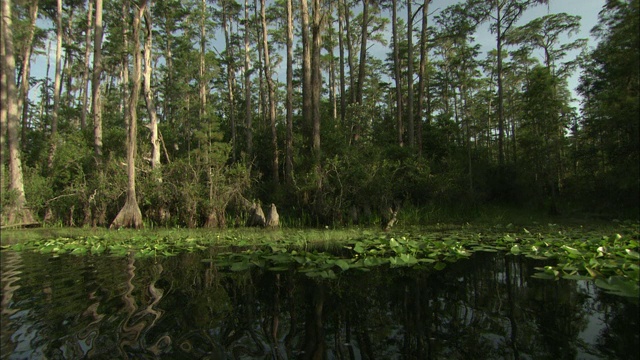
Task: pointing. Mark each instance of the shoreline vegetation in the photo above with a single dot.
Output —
(607, 252)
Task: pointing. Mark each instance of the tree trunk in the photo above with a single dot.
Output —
(271, 93)
(148, 95)
(67, 79)
(363, 51)
(397, 73)
(95, 82)
(247, 85)
(125, 64)
(422, 71)
(3, 100)
(500, 93)
(85, 74)
(343, 91)
(352, 87)
(56, 87)
(410, 114)
(306, 68)
(230, 83)
(262, 103)
(130, 215)
(18, 212)
(289, 100)
(332, 74)
(168, 103)
(316, 79)
(202, 82)
(26, 71)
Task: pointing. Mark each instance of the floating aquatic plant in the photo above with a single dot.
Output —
(573, 252)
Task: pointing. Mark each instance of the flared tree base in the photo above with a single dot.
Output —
(18, 216)
(129, 216)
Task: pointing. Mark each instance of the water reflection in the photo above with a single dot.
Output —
(488, 307)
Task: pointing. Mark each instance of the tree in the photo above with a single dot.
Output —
(85, 73)
(247, 85)
(410, 100)
(289, 99)
(343, 91)
(503, 14)
(271, 94)
(542, 134)
(544, 33)
(18, 212)
(95, 82)
(306, 64)
(423, 76)
(396, 71)
(130, 215)
(316, 80)
(364, 35)
(148, 95)
(228, 11)
(56, 86)
(610, 129)
(26, 68)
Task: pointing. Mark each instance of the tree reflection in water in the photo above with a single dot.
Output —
(487, 307)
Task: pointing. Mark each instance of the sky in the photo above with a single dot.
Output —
(587, 9)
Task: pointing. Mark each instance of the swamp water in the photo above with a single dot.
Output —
(181, 307)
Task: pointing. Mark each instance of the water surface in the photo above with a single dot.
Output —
(487, 307)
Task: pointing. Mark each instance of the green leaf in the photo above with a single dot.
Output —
(515, 249)
(440, 265)
(240, 266)
(342, 264)
(79, 251)
(619, 285)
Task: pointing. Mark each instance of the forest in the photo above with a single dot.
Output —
(195, 113)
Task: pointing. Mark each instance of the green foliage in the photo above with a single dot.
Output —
(579, 252)
(608, 144)
(38, 190)
(455, 166)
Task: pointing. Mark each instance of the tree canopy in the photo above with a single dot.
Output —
(190, 113)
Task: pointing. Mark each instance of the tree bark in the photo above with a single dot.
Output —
(306, 67)
(363, 51)
(271, 93)
(316, 78)
(67, 79)
(230, 83)
(26, 71)
(410, 114)
(130, 215)
(289, 100)
(343, 91)
(500, 90)
(352, 87)
(247, 84)
(85, 74)
(18, 212)
(56, 87)
(397, 73)
(95, 82)
(423, 80)
(3, 100)
(202, 82)
(148, 95)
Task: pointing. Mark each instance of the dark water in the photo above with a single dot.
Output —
(487, 307)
